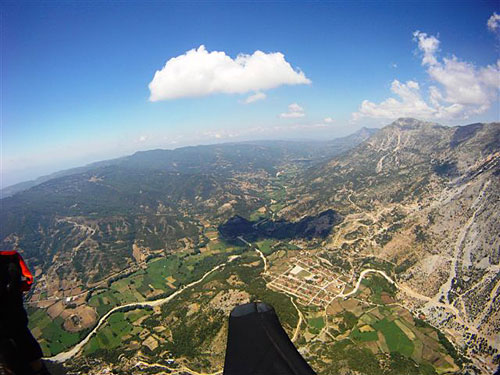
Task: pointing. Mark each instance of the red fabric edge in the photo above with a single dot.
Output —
(26, 285)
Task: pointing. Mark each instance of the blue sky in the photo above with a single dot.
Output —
(76, 75)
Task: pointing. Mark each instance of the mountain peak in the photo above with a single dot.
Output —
(412, 123)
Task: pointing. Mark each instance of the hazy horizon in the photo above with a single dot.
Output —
(36, 173)
(91, 81)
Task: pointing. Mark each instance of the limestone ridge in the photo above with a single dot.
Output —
(427, 198)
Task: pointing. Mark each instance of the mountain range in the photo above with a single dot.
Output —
(420, 198)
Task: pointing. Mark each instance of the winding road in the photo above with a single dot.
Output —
(299, 323)
(361, 276)
(257, 250)
(64, 356)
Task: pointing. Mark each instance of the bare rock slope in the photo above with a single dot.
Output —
(424, 198)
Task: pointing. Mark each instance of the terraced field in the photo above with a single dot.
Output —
(119, 329)
(54, 337)
(382, 328)
(159, 278)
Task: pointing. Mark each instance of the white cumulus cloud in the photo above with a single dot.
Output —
(255, 97)
(458, 88)
(199, 73)
(328, 120)
(494, 22)
(294, 111)
(410, 104)
(429, 45)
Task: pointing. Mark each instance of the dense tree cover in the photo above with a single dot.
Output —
(450, 348)
(345, 354)
(192, 334)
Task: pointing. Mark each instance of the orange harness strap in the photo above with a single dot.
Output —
(28, 277)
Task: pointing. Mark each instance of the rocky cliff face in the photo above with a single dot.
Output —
(425, 198)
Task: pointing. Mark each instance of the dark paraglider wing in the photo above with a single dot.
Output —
(258, 345)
